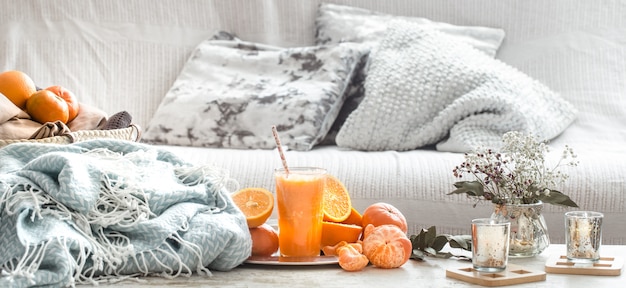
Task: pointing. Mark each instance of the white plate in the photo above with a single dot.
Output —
(292, 261)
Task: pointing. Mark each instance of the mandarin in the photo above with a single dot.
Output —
(384, 213)
(337, 204)
(264, 240)
(256, 204)
(17, 87)
(386, 246)
(69, 97)
(45, 106)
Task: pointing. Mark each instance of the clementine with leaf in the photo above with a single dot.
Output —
(45, 106)
(256, 204)
(386, 246)
(384, 213)
(69, 97)
(333, 233)
(337, 204)
(17, 86)
(264, 240)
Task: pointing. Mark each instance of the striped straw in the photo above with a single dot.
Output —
(280, 149)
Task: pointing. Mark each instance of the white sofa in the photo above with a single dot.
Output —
(126, 55)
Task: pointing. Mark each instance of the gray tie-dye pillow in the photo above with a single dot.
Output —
(340, 23)
(231, 92)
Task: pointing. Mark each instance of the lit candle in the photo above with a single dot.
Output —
(584, 235)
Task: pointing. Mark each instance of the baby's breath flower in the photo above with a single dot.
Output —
(517, 173)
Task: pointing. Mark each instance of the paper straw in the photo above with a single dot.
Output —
(280, 149)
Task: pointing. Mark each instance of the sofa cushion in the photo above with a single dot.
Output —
(424, 85)
(339, 23)
(232, 92)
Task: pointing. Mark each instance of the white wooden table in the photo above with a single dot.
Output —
(428, 273)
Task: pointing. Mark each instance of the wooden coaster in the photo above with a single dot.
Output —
(606, 266)
(513, 274)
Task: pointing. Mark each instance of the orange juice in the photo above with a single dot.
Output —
(299, 195)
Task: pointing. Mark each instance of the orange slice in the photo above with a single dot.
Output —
(355, 218)
(255, 203)
(333, 233)
(337, 204)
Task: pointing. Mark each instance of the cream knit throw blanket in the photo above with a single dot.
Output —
(425, 88)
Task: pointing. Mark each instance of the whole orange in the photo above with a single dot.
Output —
(69, 97)
(264, 240)
(45, 106)
(384, 213)
(17, 87)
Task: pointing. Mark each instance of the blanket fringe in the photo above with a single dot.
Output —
(122, 202)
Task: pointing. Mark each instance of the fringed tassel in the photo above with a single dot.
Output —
(119, 204)
(122, 202)
(213, 178)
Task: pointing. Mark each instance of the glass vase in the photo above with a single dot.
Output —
(529, 232)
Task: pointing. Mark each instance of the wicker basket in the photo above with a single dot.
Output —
(131, 133)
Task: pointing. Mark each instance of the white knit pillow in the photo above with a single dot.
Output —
(424, 86)
(339, 24)
(230, 94)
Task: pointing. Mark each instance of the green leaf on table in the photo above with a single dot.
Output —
(428, 243)
(461, 241)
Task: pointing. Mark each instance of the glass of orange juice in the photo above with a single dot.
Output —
(299, 195)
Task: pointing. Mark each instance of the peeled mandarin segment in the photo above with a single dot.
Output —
(255, 203)
(337, 204)
(350, 259)
(333, 233)
(331, 250)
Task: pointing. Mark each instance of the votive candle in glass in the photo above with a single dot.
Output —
(583, 235)
(490, 244)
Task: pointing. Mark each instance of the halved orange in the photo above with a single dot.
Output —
(255, 203)
(333, 233)
(337, 204)
(355, 218)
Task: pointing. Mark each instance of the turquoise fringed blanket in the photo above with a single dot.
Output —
(106, 209)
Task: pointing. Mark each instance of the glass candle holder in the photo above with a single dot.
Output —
(490, 244)
(583, 235)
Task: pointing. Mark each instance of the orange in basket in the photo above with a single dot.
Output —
(17, 87)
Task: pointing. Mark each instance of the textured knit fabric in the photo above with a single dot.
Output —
(424, 86)
(118, 120)
(104, 208)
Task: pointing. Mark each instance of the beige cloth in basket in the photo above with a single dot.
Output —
(16, 124)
